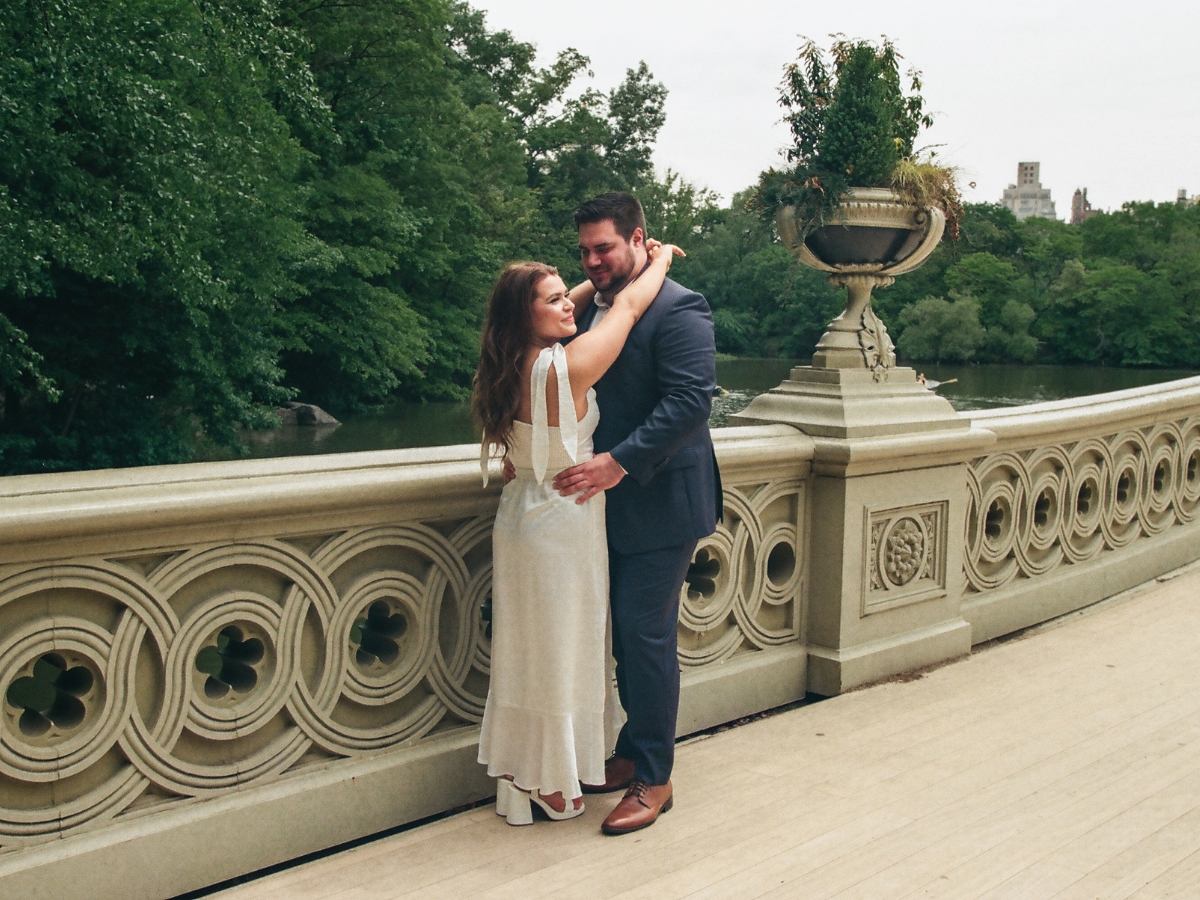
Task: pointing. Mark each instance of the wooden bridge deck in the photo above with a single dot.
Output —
(1063, 764)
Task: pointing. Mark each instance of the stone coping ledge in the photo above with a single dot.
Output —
(918, 450)
(1090, 416)
(293, 492)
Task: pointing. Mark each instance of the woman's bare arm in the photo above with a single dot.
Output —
(590, 354)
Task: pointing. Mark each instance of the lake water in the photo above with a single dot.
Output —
(966, 387)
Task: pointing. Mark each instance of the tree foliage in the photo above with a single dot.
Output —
(852, 126)
(1120, 289)
(209, 206)
(942, 331)
(148, 224)
(763, 301)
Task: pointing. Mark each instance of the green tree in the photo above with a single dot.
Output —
(1110, 313)
(1009, 338)
(574, 146)
(1045, 246)
(1001, 293)
(418, 202)
(936, 330)
(148, 222)
(990, 228)
(599, 142)
(678, 211)
(206, 207)
(764, 302)
(1177, 275)
(1121, 289)
(985, 228)
(992, 281)
(869, 125)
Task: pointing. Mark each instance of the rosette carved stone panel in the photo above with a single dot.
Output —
(904, 555)
(1031, 512)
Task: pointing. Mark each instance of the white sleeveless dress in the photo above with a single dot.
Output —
(545, 720)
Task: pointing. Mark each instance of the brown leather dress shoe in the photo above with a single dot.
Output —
(618, 775)
(639, 807)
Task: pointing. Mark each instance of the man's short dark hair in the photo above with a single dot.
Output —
(623, 209)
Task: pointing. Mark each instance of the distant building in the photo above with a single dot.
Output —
(1184, 200)
(1081, 210)
(1027, 197)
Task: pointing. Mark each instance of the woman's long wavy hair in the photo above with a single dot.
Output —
(507, 333)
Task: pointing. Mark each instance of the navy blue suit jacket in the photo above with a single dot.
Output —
(654, 404)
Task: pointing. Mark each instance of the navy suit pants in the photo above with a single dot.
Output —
(644, 595)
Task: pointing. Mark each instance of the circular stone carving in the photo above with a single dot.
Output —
(904, 553)
(59, 711)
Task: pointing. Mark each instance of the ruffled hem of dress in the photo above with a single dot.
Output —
(542, 751)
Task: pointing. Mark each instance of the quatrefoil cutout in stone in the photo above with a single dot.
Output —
(378, 635)
(51, 696)
(485, 616)
(702, 575)
(230, 664)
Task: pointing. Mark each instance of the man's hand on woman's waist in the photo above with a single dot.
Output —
(599, 473)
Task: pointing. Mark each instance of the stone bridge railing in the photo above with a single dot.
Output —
(209, 669)
(1078, 500)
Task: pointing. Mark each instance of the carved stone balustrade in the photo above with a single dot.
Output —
(1078, 500)
(212, 668)
(221, 666)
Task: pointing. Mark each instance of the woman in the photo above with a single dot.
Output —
(544, 722)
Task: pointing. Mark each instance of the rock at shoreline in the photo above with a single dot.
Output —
(293, 413)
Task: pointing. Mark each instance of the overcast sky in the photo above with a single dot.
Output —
(1104, 95)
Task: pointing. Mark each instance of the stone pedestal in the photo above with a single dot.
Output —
(854, 403)
(886, 578)
(857, 336)
(889, 498)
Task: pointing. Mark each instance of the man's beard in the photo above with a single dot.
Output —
(617, 279)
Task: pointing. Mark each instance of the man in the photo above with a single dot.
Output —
(654, 457)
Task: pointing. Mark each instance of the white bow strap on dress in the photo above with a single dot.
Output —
(485, 454)
(568, 427)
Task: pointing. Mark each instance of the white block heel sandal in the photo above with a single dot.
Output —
(503, 788)
(569, 813)
(515, 804)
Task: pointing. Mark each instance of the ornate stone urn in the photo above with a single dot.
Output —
(853, 387)
(872, 237)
